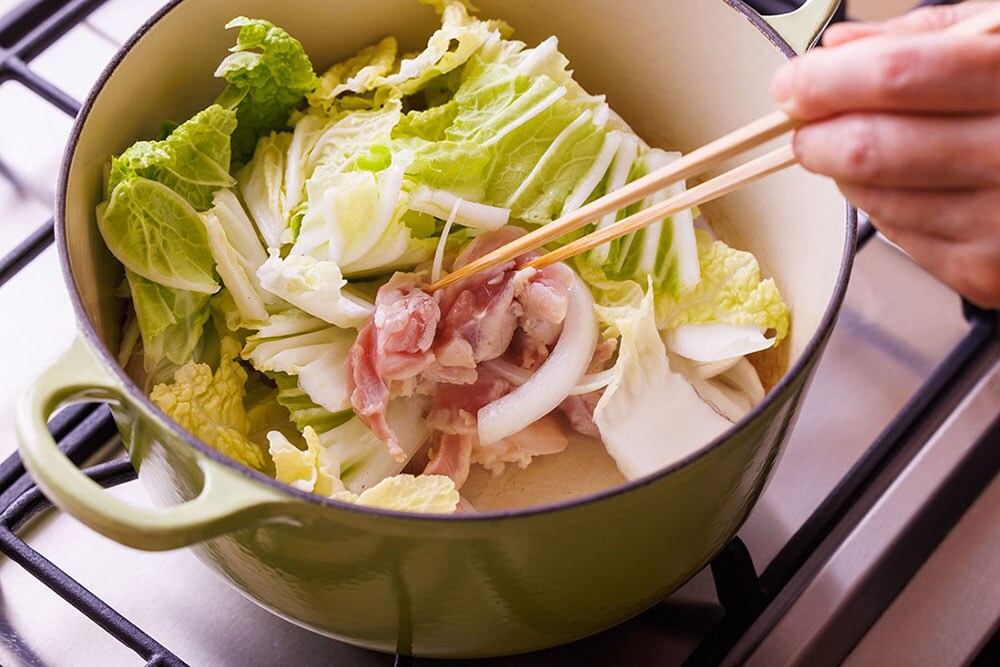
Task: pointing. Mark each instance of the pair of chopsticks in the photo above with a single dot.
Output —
(697, 161)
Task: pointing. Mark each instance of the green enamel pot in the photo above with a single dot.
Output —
(682, 73)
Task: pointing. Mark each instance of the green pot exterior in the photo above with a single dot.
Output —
(433, 587)
(467, 586)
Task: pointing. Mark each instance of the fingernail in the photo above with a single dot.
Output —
(781, 84)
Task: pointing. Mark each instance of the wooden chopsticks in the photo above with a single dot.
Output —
(716, 187)
(753, 134)
(697, 161)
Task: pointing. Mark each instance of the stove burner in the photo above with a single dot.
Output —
(86, 430)
(752, 603)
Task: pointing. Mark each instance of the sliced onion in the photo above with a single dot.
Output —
(716, 341)
(443, 242)
(468, 214)
(555, 378)
(517, 376)
(593, 382)
(510, 372)
(464, 506)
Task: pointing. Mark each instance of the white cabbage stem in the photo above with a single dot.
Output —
(468, 214)
(624, 159)
(555, 378)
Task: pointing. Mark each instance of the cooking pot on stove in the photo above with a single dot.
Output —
(681, 73)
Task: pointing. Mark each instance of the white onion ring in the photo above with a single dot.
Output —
(555, 378)
(593, 382)
(517, 376)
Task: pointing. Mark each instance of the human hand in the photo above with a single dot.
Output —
(906, 119)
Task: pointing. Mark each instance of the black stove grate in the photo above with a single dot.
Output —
(83, 431)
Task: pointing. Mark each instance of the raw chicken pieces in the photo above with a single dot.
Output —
(436, 345)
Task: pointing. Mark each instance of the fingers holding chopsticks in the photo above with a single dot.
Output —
(924, 19)
(905, 116)
(956, 216)
(904, 151)
(935, 73)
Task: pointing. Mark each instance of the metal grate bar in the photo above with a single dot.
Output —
(30, 504)
(83, 430)
(927, 408)
(42, 87)
(61, 426)
(23, 18)
(916, 414)
(24, 33)
(39, 28)
(897, 566)
(27, 250)
(80, 444)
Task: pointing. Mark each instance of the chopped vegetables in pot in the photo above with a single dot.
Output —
(278, 244)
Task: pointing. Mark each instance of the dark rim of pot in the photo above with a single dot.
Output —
(776, 393)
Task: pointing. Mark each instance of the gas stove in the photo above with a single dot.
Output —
(875, 542)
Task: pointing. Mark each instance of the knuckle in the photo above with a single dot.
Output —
(862, 155)
(940, 16)
(933, 18)
(894, 72)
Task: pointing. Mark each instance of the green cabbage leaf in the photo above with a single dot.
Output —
(730, 291)
(268, 73)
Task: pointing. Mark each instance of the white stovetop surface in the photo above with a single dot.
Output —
(896, 325)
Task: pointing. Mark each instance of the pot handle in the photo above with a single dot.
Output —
(802, 27)
(227, 500)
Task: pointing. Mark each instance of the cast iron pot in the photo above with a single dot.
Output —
(682, 73)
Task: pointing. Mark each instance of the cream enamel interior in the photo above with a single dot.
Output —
(680, 73)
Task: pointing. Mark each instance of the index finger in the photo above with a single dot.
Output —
(930, 72)
(923, 19)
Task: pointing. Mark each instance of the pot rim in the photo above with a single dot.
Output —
(776, 393)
